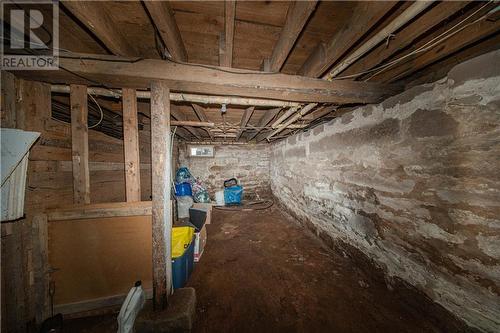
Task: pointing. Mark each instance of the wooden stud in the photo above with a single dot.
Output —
(131, 146)
(161, 210)
(297, 16)
(8, 87)
(41, 267)
(80, 144)
(164, 20)
(226, 46)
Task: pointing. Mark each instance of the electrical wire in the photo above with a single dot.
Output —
(436, 40)
(420, 49)
(100, 109)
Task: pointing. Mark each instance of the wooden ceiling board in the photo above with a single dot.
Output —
(329, 17)
(252, 43)
(133, 22)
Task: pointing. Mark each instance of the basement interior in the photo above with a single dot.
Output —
(250, 166)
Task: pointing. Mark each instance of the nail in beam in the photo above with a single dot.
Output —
(160, 182)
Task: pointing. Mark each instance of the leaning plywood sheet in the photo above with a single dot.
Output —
(15, 145)
(96, 261)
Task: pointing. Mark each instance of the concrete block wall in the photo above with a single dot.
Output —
(247, 163)
(414, 183)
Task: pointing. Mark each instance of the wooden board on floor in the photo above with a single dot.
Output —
(99, 258)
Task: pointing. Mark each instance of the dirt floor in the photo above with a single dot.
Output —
(262, 272)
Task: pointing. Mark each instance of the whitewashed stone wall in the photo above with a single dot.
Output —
(414, 183)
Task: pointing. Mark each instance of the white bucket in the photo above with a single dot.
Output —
(219, 197)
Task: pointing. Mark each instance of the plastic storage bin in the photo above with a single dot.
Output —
(182, 266)
(183, 190)
(233, 195)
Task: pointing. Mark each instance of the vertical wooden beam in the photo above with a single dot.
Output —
(131, 146)
(296, 17)
(226, 47)
(161, 211)
(41, 267)
(8, 87)
(80, 144)
(163, 18)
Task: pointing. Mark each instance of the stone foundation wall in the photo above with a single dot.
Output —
(247, 163)
(414, 183)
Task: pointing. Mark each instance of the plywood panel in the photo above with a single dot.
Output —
(99, 257)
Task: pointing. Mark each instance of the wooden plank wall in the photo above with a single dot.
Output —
(50, 185)
(99, 258)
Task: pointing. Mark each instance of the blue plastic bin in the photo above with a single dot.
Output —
(233, 195)
(182, 267)
(183, 190)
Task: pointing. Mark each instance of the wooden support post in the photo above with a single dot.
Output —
(41, 267)
(80, 144)
(131, 146)
(161, 210)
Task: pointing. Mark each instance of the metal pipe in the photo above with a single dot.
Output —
(178, 97)
(293, 119)
(406, 16)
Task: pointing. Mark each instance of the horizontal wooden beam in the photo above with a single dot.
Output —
(200, 112)
(102, 210)
(191, 123)
(112, 71)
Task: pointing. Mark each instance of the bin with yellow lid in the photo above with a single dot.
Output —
(182, 255)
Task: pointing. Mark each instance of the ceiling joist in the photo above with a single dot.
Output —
(226, 42)
(164, 21)
(366, 15)
(95, 18)
(297, 16)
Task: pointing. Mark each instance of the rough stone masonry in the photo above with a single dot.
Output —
(414, 183)
(247, 163)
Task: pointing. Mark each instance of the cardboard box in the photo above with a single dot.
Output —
(199, 243)
(207, 207)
